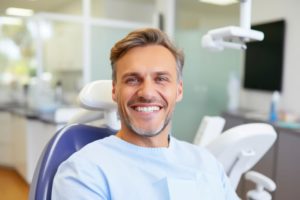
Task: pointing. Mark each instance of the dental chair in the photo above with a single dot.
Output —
(73, 137)
(239, 149)
(65, 142)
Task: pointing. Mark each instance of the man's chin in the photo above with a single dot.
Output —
(145, 132)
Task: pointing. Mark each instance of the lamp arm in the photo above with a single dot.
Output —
(245, 14)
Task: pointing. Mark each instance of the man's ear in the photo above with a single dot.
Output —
(179, 91)
(114, 96)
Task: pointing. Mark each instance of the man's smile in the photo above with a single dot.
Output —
(146, 109)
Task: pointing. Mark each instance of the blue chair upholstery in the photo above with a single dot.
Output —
(63, 144)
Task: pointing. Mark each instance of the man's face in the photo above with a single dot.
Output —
(146, 89)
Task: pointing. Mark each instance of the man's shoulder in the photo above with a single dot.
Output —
(92, 151)
(101, 143)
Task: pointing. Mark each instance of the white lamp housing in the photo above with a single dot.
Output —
(230, 37)
(233, 36)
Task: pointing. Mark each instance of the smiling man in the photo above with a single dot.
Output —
(143, 161)
(146, 88)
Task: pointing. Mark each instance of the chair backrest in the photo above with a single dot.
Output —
(210, 128)
(63, 144)
(241, 147)
(96, 96)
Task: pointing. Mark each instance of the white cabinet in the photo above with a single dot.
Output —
(29, 137)
(22, 141)
(5, 139)
(19, 145)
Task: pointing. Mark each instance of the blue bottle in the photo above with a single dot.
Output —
(273, 114)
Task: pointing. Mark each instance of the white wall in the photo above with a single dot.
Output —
(270, 10)
(131, 10)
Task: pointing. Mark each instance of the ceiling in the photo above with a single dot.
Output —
(52, 5)
(36, 5)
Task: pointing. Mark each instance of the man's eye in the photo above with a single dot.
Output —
(132, 80)
(161, 79)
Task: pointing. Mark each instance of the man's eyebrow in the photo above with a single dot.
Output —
(163, 73)
(130, 74)
(135, 74)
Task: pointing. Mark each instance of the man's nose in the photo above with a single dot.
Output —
(147, 89)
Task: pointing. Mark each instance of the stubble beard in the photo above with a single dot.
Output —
(146, 133)
(139, 130)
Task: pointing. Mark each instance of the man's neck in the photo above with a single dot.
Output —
(160, 140)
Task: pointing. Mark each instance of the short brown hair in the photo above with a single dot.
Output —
(144, 37)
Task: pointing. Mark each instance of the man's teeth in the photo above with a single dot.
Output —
(147, 109)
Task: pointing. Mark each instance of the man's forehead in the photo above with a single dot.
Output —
(153, 59)
(137, 73)
(148, 54)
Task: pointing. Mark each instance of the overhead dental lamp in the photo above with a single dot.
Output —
(234, 37)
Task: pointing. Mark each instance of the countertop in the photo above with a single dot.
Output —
(46, 117)
(263, 117)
